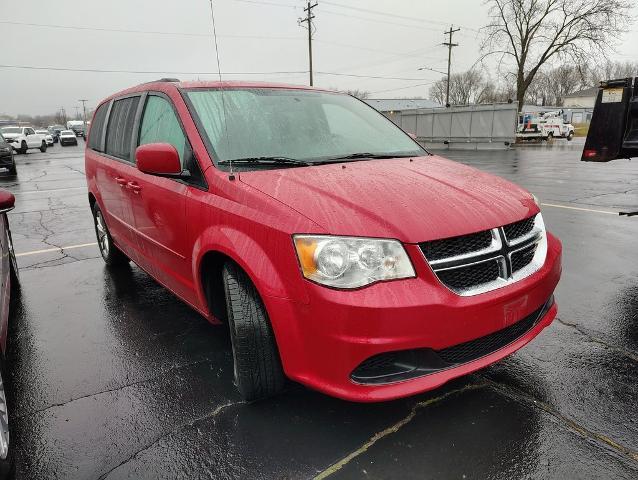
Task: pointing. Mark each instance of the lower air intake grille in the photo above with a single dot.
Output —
(407, 364)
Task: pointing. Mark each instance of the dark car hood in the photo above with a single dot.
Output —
(413, 201)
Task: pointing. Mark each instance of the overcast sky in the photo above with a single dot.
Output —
(173, 38)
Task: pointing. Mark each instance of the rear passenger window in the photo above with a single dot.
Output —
(120, 129)
(160, 124)
(96, 132)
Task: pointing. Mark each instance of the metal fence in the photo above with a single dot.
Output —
(463, 127)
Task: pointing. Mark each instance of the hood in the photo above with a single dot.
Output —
(11, 135)
(413, 201)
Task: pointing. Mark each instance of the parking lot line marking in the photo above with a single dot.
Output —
(553, 205)
(48, 191)
(58, 249)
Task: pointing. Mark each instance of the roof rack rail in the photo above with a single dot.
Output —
(167, 80)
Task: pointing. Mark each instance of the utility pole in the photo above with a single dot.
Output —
(308, 20)
(77, 112)
(449, 45)
(84, 100)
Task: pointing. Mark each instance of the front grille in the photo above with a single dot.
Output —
(519, 229)
(450, 247)
(467, 277)
(523, 258)
(408, 364)
(472, 264)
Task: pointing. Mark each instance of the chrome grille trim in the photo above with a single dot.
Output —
(500, 250)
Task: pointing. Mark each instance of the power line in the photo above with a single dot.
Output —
(216, 73)
(367, 76)
(403, 88)
(387, 14)
(156, 72)
(143, 32)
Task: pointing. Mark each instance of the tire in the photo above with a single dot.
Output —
(43, 147)
(112, 255)
(12, 169)
(7, 465)
(23, 147)
(550, 137)
(570, 136)
(13, 263)
(257, 366)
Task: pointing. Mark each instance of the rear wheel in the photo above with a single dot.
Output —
(110, 253)
(257, 367)
(550, 137)
(43, 146)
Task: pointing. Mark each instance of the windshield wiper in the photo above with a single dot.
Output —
(265, 161)
(365, 156)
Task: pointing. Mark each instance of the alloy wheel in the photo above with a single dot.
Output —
(102, 235)
(4, 423)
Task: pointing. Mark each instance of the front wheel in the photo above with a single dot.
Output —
(257, 367)
(12, 169)
(570, 136)
(110, 253)
(43, 146)
(6, 450)
(23, 147)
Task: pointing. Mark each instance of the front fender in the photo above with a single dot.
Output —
(273, 272)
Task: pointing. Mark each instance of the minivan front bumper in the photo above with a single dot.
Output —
(324, 343)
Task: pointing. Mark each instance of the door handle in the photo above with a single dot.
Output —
(134, 187)
(121, 181)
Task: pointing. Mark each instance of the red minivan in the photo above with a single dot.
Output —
(338, 251)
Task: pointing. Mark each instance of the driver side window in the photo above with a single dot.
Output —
(160, 125)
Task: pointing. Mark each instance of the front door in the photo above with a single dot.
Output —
(159, 203)
(33, 140)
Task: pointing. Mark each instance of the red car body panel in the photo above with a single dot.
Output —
(167, 228)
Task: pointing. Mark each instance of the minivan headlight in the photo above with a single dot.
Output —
(351, 262)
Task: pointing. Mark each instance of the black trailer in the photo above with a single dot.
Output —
(613, 132)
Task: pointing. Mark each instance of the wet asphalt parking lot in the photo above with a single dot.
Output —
(113, 377)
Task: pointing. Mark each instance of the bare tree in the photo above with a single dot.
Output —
(470, 87)
(533, 33)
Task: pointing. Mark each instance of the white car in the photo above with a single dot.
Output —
(47, 136)
(67, 137)
(23, 138)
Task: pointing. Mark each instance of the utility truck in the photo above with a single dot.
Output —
(543, 126)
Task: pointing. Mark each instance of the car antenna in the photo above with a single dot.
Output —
(231, 175)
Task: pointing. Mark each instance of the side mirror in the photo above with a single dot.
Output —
(7, 201)
(159, 159)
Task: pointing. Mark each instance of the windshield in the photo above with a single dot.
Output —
(43, 132)
(295, 124)
(10, 130)
(67, 132)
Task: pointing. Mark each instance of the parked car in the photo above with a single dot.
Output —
(6, 156)
(47, 136)
(55, 130)
(67, 137)
(10, 285)
(78, 130)
(24, 138)
(338, 251)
